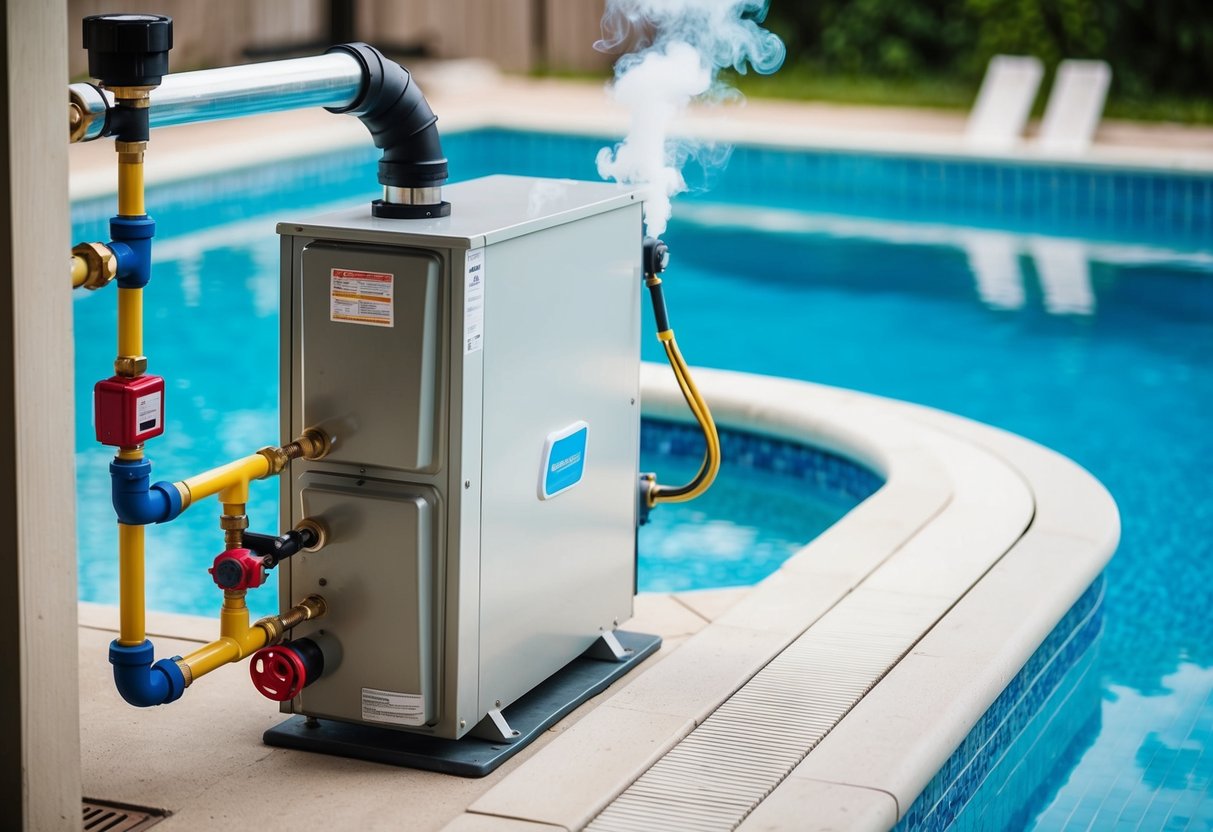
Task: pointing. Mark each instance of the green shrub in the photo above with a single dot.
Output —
(1159, 50)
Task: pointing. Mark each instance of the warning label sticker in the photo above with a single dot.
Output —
(361, 298)
(392, 707)
(147, 412)
(473, 302)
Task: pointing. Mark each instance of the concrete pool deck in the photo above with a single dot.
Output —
(873, 650)
(202, 758)
(925, 583)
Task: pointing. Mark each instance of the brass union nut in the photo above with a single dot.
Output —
(130, 366)
(312, 444)
(277, 458)
(101, 262)
(132, 96)
(186, 672)
(317, 528)
(234, 522)
(130, 153)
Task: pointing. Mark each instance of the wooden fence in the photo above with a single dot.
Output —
(516, 35)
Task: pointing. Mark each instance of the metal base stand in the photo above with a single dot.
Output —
(586, 676)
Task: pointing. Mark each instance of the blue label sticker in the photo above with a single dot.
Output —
(563, 460)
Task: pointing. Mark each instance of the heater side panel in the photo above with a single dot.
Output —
(561, 438)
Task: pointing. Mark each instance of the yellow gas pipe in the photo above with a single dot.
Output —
(130, 204)
(130, 323)
(229, 481)
(130, 344)
(130, 178)
(130, 585)
(238, 640)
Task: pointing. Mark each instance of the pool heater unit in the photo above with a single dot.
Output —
(478, 375)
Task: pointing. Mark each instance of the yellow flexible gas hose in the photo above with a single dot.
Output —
(710, 465)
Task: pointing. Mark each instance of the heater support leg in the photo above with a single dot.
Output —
(607, 649)
(494, 728)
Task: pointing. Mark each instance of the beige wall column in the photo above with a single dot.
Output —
(39, 699)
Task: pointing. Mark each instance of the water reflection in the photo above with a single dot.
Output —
(1002, 263)
(1172, 760)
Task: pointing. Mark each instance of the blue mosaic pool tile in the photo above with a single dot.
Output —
(969, 789)
(1167, 207)
(832, 476)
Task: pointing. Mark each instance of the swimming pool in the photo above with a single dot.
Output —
(1074, 307)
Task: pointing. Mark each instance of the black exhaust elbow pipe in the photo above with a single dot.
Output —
(391, 105)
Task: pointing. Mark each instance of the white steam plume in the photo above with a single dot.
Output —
(680, 46)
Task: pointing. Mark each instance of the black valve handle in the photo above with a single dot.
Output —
(277, 549)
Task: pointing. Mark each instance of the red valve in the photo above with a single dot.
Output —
(238, 569)
(279, 673)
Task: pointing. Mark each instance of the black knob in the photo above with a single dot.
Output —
(228, 574)
(656, 256)
(128, 50)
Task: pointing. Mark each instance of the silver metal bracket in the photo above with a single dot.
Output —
(607, 649)
(494, 728)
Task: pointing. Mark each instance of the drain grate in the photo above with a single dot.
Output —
(711, 780)
(107, 816)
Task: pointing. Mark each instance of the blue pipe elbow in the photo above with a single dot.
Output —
(136, 501)
(132, 246)
(142, 683)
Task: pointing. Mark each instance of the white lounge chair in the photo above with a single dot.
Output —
(1075, 106)
(1004, 102)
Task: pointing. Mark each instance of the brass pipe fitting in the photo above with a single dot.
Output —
(233, 522)
(276, 626)
(234, 517)
(276, 457)
(186, 496)
(130, 153)
(317, 528)
(130, 366)
(100, 263)
(85, 105)
(274, 631)
(132, 96)
(313, 606)
(185, 672)
(314, 443)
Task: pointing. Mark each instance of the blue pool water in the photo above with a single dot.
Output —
(770, 495)
(1071, 306)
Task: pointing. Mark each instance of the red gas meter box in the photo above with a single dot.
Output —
(128, 411)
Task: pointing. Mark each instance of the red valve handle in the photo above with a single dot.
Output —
(278, 673)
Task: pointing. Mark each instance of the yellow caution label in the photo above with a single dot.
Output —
(357, 297)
